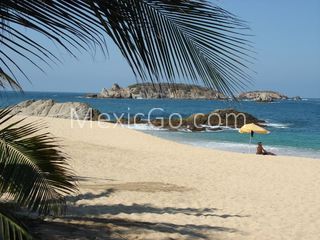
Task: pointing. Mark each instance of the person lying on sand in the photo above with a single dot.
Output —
(262, 151)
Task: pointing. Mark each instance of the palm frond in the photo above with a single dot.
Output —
(8, 81)
(33, 170)
(161, 39)
(11, 227)
(192, 39)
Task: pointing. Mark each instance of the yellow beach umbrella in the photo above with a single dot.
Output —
(252, 128)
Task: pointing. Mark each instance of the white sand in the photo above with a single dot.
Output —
(136, 186)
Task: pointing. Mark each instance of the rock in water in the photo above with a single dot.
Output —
(213, 121)
(296, 98)
(50, 108)
(115, 92)
(262, 96)
(232, 118)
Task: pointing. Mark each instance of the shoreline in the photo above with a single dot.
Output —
(153, 130)
(138, 186)
(223, 145)
(242, 148)
(301, 139)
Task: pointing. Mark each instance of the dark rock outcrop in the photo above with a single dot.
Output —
(148, 90)
(50, 108)
(213, 121)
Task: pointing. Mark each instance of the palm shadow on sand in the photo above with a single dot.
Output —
(85, 221)
(118, 228)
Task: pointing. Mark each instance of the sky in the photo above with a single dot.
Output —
(286, 39)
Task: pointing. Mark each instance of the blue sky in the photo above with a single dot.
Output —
(287, 42)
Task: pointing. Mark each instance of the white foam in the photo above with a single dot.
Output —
(209, 127)
(251, 148)
(213, 130)
(278, 125)
(184, 130)
(144, 127)
(150, 127)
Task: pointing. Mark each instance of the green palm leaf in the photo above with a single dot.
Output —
(10, 227)
(161, 39)
(7, 80)
(33, 171)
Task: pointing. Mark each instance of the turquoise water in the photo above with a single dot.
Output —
(294, 125)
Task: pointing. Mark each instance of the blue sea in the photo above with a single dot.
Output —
(294, 125)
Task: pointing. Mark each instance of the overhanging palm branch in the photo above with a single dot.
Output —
(32, 168)
(34, 173)
(11, 227)
(161, 39)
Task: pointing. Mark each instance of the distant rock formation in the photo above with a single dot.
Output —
(296, 98)
(115, 92)
(262, 96)
(50, 108)
(148, 90)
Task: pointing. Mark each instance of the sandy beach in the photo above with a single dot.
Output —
(136, 186)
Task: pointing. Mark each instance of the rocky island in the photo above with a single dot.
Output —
(148, 90)
(265, 96)
(262, 96)
(182, 91)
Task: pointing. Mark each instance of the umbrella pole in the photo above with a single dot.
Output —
(251, 136)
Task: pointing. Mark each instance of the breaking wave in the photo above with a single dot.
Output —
(278, 125)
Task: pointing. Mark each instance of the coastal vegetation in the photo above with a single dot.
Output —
(160, 40)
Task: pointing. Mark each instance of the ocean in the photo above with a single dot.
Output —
(294, 125)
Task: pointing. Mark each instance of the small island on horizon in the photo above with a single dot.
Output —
(183, 91)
